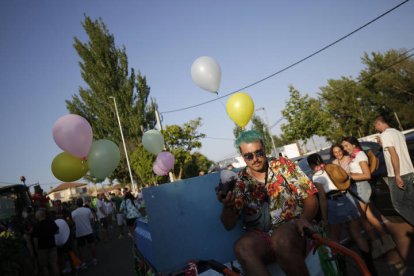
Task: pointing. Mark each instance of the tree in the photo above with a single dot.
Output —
(345, 102)
(181, 141)
(389, 81)
(141, 163)
(104, 68)
(260, 126)
(198, 163)
(305, 117)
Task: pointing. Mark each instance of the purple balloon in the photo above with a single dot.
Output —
(73, 134)
(165, 161)
(158, 171)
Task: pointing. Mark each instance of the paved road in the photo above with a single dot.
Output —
(115, 257)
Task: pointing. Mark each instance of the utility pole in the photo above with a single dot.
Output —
(268, 129)
(398, 121)
(133, 185)
(157, 116)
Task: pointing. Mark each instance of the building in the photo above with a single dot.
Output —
(67, 191)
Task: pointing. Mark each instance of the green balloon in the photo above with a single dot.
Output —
(103, 158)
(153, 141)
(68, 168)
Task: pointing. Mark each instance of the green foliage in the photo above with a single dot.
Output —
(104, 68)
(141, 163)
(10, 245)
(181, 141)
(198, 163)
(391, 90)
(260, 126)
(304, 115)
(348, 107)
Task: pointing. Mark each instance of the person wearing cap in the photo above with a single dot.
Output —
(276, 201)
(338, 208)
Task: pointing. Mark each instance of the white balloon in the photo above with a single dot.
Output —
(62, 236)
(206, 73)
(227, 176)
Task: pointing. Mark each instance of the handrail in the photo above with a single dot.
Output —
(339, 248)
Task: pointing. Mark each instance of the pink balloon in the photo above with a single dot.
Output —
(158, 171)
(73, 134)
(165, 161)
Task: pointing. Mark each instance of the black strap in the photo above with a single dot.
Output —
(356, 195)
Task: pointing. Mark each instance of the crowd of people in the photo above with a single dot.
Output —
(277, 201)
(60, 237)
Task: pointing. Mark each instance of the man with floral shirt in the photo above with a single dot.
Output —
(276, 201)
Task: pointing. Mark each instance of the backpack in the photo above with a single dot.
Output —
(338, 176)
(373, 161)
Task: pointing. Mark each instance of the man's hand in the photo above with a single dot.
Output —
(399, 182)
(228, 200)
(302, 223)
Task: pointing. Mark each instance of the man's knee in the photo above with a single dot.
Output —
(286, 240)
(244, 247)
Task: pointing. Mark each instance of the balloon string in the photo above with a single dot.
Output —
(224, 107)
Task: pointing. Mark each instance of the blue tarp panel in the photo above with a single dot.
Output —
(184, 224)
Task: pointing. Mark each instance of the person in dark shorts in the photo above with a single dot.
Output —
(82, 218)
(44, 243)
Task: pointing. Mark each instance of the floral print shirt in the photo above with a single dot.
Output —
(285, 190)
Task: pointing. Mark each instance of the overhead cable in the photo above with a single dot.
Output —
(293, 64)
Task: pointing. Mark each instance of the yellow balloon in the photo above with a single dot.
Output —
(68, 168)
(240, 108)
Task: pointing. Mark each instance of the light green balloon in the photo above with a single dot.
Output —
(103, 158)
(153, 141)
(68, 168)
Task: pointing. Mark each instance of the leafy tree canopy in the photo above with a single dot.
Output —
(105, 71)
(181, 140)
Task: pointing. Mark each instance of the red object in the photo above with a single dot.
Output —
(192, 269)
(40, 200)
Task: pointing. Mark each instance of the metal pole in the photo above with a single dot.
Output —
(398, 120)
(157, 116)
(268, 130)
(134, 188)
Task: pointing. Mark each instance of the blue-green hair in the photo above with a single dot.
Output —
(248, 136)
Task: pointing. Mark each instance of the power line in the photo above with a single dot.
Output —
(218, 138)
(293, 64)
(386, 68)
(367, 77)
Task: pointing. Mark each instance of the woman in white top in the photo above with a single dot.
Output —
(338, 209)
(360, 173)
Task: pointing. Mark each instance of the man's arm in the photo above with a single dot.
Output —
(310, 208)
(365, 175)
(323, 204)
(229, 214)
(395, 161)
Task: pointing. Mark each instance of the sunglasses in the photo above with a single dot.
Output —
(250, 155)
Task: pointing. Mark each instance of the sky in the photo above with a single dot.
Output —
(39, 68)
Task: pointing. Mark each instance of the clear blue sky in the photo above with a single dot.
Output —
(250, 40)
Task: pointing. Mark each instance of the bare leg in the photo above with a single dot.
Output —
(369, 229)
(355, 232)
(92, 250)
(252, 252)
(399, 233)
(289, 247)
